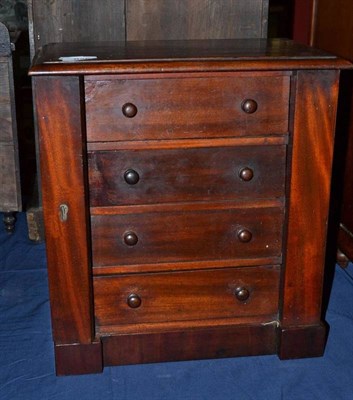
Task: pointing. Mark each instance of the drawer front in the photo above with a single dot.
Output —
(186, 235)
(179, 175)
(181, 296)
(141, 109)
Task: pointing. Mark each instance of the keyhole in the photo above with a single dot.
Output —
(64, 210)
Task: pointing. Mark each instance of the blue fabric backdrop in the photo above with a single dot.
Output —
(27, 364)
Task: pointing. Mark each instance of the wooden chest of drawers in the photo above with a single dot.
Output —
(186, 194)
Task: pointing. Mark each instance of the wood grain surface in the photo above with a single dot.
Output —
(197, 343)
(6, 123)
(185, 296)
(181, 235)
(312, 152)
(52, 21)
(151, 56)
(61, 141)
(207, 268)
(197, 19)
(55, 21)
(186, 108)
(10, 185)
(333, 27)
(333, 31)
(10, 194)
(179, 175)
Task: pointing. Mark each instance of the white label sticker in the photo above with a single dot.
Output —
(77, 58)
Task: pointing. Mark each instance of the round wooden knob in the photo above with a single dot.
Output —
(131, 177)
(130, 238)
(134, 301)
(242, 294)
(129, 110)
(249, 106)
(246, 174)
(244, 235)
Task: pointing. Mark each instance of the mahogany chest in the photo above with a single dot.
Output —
(186, 189)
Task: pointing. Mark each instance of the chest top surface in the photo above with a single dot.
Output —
(180, 56)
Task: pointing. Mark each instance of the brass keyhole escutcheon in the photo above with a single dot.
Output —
(64, 211)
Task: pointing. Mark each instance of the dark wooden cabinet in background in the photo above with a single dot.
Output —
(110, 20)
(333, 31)
(186, 191)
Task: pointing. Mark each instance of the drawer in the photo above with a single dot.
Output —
(181, 175)
(139, 109)
(185, 296)
(182, 235)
